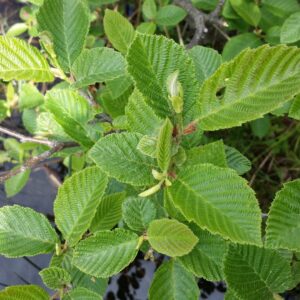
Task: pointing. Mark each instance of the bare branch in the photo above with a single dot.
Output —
(217, 11)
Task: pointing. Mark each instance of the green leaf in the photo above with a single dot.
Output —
(30, 97)
(232, 96)
(97, 65)
(72, 112)
(205, 4)
(290, 30)
(171, 237)
(172, 282)
(295, 108)
(149, 61)
(248, 10)
(23, 292)
(24, 232)
(16, 183)
(170, 15)
(77, 201)
(149, 9)
(281, 8)
(238, 43)
(164, 145)
(81, 293)
(247, 271)
(261, 127)
(146, 27)
(106, 253)
(212, 153)
(147, 145)
(206, 60)
(140, 117)
(20, 61)
(55, 278)
(206, 259)
(138, 213)
(17, 29)
(109, 212)
(218, 200)
(119, 30)
(68, 23)
(117, 155)
(237, 161)
(283, 224)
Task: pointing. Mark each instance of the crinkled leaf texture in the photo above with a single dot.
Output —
(55, 278)
(81, 293)
(20, 61)
(68, 23)
(24, 292)
(283, 224)
(256, 82)
(171, 237)
(237, 161)
(117, 155)
(218, 200)
(77, 201)
(256, 273)
(106, 253)
(173, 282)
(24, 232)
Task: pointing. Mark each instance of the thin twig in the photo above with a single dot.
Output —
(217, 11)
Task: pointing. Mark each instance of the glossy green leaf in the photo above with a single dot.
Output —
(55, 278)
(24, 292)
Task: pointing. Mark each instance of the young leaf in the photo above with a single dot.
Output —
(81, 293)
(30, 97)
(147, 145)
(68, 23)
(72, 112)
(170, 15)
(24, 292)
(290, 30)
(97, 65)
(24, 232)
(149, 9)
(232, 96)
(206, 259)
(172, 282)
(206, 60)
(149, 61)
(106, 253)
(248, 266)
(20, 61)
(117, 155)
(77, 201)
(283, 224)
(218, 200)
(138, 213)
(119, 30)
(171, 237)
(109, 212)
(16, 183)
(164, 145)
(237, 161)
(55, 278)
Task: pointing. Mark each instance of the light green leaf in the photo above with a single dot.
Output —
(171, 237)
(17, 29)
(30, 97)
(72, 112)
(172, 282)
(206, 60)
(149, 61)
(55, 278)
(256, 273)
(138, 213)
(106, 253)
(206, 259)
(283, 224)
(20, 61)
(97, 65)
(146, 27)
(218, 200)
(164, 145)
(81, 293)
(68, 23)
(118, 86)
(170, 15)
(290, 30)
(232, 96)
(77, 201)
(238, 43)
(36, 2)
(24, 232)
(248, 10)
(281, 8)
(295, 108)
(119, 30)
(140, 117)
(230, 295)
(109, 212)
(118, 156)
(147, 145)
(16, 183)
(24, 292)
(149, 9)
(237, 161)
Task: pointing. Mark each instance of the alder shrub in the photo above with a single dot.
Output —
(148, 186)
